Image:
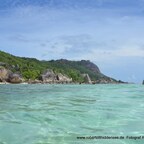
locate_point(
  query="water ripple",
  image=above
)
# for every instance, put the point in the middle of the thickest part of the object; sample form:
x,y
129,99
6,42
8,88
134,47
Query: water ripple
x,y
51,114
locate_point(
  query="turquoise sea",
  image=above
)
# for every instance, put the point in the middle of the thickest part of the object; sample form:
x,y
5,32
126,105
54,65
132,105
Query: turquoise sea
x,y
72,114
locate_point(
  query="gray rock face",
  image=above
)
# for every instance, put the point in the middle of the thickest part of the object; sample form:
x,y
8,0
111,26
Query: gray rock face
x,y
91,66
143,82
50,77
8,76
87,79
63,78
4,74
15,78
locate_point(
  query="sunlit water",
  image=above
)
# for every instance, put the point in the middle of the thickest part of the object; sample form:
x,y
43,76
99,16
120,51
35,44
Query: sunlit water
x,y
58,114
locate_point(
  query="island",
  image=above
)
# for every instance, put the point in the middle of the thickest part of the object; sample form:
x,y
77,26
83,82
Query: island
x,y
14,69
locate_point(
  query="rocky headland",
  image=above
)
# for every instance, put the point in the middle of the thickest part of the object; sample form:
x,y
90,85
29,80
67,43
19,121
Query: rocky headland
x,y
16,70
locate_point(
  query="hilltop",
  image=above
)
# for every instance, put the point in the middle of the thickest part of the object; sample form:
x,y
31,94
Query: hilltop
x,y
82,71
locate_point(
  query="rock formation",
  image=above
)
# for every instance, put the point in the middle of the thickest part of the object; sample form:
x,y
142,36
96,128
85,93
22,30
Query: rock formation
x,y
50,77
4,74
89,65
31,70
15,78
63,78
87,79
143,82
34,81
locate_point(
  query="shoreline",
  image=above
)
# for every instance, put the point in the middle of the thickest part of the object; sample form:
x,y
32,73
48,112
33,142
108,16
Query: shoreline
x,y
63,83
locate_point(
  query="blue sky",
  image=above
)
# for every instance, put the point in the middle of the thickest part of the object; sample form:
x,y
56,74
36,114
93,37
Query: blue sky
x,y
110,33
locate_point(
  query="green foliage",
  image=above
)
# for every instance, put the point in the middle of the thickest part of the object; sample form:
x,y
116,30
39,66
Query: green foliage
x,y
75,75
31,68
31,74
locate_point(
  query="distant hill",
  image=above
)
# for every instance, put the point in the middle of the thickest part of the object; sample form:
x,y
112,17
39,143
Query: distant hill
x,y
31,68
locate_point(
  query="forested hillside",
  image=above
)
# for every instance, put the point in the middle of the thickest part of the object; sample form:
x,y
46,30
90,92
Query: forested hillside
x,y
31,68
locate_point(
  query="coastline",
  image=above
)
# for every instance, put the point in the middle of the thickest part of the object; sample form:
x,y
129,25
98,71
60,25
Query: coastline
x,y
14,69
73,83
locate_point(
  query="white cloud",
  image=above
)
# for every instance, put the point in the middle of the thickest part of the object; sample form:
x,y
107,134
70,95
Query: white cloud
x,y
129,52
112,55
106,36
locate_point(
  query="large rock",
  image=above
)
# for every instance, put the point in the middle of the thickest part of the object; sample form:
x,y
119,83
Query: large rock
x,y
15,78
63,78
4,74
143,82
86,79
48,76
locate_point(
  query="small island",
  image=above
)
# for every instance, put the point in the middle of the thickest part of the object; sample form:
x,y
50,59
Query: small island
x,y
14,69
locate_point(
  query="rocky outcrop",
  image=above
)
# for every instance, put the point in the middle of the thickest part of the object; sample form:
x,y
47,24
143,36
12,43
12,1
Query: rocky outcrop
x,y
8,76
106,80
47,77
50,77
91,66
68,67
86,79
34,81
4,74
143,82
15,78
63,78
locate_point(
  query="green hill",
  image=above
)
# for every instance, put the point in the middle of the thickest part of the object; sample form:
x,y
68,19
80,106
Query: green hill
x,y
31,68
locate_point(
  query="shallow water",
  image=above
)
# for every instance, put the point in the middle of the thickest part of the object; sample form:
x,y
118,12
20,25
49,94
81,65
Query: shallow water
x,y
58,114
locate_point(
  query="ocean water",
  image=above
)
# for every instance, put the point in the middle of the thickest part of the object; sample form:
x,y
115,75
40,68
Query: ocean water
x,y
72,114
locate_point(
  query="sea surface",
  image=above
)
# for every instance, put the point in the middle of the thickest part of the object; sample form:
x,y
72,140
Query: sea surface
x,y
72,114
